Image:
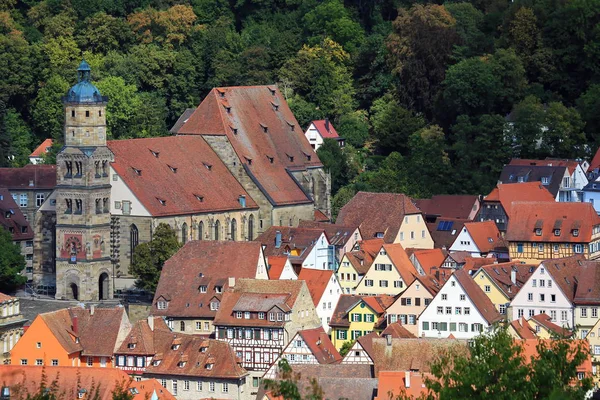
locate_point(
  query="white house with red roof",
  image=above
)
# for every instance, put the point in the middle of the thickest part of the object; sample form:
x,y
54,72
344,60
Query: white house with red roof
x,y
320,130
325,291
36,157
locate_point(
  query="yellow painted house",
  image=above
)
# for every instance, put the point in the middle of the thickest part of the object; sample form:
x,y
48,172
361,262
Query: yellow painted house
x,y
356,316
501,282
390,273
593,337
355,264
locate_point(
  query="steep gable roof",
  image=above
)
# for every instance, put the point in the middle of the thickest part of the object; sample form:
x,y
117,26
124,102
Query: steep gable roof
x,y
377,213
483,303
144,337
550,218
507,193
449,205
42,148
325,129
501,275
399,258
523,329
64,328
486,235
320,345
203,263
317,281
276,266
429,258
588,288
38,176
261,127
12,218
361,260
396,330
546,321
346,302
565,272
191,176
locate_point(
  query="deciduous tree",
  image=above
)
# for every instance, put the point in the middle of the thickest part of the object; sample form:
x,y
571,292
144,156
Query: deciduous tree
x,y
12,263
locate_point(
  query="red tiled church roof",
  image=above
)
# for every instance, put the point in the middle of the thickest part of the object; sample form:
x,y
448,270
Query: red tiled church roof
x,y
190,175
264,134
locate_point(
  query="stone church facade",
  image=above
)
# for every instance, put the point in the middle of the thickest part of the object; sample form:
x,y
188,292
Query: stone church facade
x,y
240,166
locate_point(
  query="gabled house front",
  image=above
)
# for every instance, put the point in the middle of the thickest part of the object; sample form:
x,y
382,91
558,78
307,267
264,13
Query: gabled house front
x,y
481,239
390,273
325,291
355,264
550,290
309,346
357,316
502,282
460,309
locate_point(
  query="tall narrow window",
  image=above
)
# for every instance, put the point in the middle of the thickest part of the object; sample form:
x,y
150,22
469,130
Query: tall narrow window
x,y
233,230
251,227
98,206
184,233
78,206
69,204
201,230
105,168
97,165
78,168
105,205
133,239
217,229
69,166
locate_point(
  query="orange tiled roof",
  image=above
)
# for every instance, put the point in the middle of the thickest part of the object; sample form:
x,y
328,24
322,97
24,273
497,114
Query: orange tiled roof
x,y
42,148
276,266
191,176
526,191
320,345
321,127
396,330
523,329
486,235
400,259
377,213
552,218
70,380
393,384
530,350
261,127
316,280
545,321
429,258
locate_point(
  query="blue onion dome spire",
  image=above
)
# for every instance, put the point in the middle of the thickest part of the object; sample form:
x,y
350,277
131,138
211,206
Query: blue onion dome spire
x,y
84,91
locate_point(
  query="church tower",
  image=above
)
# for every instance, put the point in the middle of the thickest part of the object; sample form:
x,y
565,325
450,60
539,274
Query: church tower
x,y
83,263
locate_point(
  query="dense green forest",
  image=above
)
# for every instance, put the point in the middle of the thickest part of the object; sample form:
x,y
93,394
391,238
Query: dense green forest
x,y
432,97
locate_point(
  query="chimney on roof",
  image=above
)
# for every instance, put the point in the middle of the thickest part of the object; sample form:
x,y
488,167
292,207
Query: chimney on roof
x,y
75,326
231,281
513,276
407,379
277,239
92,309
151,322
327,124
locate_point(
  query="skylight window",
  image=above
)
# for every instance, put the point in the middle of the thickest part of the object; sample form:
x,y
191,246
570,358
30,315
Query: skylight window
x,y
138,172
162,202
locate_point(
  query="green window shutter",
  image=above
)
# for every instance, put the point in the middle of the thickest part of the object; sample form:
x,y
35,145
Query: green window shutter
x,y
452,326
221,333
443,326
425,325
360,318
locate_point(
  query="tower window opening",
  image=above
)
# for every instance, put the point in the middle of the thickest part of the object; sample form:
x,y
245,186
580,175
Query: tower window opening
x,y
87,113
78,206
69,166
72,113
99,113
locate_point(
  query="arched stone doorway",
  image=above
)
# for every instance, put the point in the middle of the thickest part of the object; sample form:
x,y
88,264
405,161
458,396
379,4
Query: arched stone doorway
x,y
103,287
73,292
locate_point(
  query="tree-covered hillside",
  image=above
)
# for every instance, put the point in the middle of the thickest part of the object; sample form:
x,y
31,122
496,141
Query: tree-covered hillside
x,y
432,97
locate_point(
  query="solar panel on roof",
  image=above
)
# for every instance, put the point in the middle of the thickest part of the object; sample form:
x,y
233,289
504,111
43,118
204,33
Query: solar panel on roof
x,y
445,225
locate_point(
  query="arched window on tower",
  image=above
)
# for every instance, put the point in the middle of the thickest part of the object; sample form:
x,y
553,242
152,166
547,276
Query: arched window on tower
x,y
201,230
233,230
217,229
251,227
184,233
134,240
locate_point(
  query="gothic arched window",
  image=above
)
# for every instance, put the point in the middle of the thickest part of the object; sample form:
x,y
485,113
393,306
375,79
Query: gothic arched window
x,y
217,229
184,233
201,230
251,227
233,230
134,239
